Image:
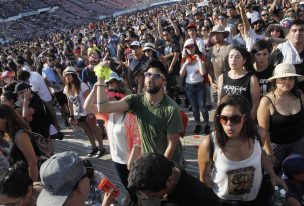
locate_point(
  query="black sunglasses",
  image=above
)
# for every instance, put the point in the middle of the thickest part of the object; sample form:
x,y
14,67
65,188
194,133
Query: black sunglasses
x,y
235,119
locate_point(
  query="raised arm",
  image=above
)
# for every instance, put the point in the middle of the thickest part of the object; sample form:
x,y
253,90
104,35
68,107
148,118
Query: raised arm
x,y
241,7
173,24
108,107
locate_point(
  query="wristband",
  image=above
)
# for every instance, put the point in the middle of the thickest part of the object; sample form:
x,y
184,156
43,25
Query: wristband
x,y
101,85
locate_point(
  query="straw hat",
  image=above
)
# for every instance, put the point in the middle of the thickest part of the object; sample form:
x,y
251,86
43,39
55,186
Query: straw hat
x,y
219,29
285,70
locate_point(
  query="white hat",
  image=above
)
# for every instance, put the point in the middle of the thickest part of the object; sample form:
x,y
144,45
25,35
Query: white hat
x,y
189,42
285,70
114,75
219,29
135,43
148,46
69,70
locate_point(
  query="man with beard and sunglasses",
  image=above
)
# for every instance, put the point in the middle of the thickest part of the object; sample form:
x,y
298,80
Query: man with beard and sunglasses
x,y
158,116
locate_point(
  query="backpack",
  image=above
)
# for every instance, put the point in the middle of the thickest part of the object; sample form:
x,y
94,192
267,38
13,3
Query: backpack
x,y
42,145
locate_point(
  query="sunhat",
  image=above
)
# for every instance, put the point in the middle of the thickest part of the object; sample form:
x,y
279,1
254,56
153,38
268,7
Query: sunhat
x,y
149,46
69,70
285,70
115,76
219,29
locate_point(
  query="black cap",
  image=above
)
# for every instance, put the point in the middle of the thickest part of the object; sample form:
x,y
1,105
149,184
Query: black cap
x,y
21,86
159,65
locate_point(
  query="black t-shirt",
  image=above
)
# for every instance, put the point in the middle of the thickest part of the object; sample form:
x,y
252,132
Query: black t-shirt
x,y
190,191
277,58
42,117
169,49
138,65
262,78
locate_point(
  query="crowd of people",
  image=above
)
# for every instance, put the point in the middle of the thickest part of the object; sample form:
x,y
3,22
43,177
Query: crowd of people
x,y
130,79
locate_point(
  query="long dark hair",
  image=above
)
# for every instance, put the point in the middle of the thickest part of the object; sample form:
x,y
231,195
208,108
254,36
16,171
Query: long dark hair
x,y
246,55
13,122
294,91
249,130
76,83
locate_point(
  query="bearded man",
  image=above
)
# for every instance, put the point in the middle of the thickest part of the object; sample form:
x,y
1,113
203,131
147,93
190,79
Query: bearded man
x,y
158,116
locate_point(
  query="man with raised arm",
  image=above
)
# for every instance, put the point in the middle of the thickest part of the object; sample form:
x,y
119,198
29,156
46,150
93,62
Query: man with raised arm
x,y
158,116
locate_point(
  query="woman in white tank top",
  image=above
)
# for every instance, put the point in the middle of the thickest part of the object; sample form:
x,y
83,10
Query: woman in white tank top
x,y
231,159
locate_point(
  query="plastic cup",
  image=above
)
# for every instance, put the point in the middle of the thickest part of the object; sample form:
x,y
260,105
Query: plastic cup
x,y
106,185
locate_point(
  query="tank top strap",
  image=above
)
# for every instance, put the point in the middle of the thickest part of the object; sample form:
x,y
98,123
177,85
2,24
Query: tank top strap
x,y
271,102
213,146
301,100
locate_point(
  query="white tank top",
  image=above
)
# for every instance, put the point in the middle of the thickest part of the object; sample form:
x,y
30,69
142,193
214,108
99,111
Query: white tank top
x,y
118,138
237,180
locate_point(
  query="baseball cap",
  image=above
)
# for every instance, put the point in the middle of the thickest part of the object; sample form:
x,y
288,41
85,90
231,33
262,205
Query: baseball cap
x,y
135,43
59,176
6,74
191,26
21,86
256,18
189,42
293,164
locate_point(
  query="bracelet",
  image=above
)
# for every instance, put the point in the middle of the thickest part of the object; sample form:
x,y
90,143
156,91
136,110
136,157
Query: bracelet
x,y
101,85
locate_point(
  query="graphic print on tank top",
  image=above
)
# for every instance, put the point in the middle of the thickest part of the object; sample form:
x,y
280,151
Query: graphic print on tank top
x,y
240,181
239,86
77,104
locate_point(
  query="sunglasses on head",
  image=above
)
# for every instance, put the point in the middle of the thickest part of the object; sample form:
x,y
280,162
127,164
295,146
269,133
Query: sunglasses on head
x,y
235,119
154,75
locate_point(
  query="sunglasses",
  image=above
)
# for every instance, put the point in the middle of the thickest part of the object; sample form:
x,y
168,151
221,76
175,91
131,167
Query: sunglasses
x,y
155,75
235,119
265,15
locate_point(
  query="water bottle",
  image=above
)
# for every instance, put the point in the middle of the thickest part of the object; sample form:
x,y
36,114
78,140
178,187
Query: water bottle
x,y
96,195
279,196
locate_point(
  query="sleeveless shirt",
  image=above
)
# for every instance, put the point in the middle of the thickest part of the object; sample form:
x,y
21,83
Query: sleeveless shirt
x,y
286,129
237,180
239,86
